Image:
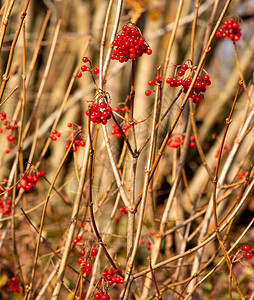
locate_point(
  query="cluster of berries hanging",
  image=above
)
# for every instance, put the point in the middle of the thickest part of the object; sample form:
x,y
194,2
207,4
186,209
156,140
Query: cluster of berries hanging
x,y
89,68
8,125
151,83
176,140
246,250
197,92
229,29
14,285
29,178
148,245
111,277
5,201
124,125
129,44
116,130
5,206
54,135
124,210
100,296
84,259
240,175
75,134
225,147
100,112
79,141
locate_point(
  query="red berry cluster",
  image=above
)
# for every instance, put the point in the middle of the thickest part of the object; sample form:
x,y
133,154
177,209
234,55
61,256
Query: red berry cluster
x,y
229,29
151,83
85,257
54,135
5,206
124,210
86,68
100,296
148,245
79,142
14,285
8,125
5,202
225,147
76,129
116,130
123,109
100,112
110,277
175,142
246,250
129,44
199,88
240,175
29,179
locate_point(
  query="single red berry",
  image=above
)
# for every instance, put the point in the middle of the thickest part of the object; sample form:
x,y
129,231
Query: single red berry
x,y
246,248
180,73
185,67
75,241
96,71
80,259
69,124
88,265
103,104
82,252
206,77
150,82
149,51
248,255
94,252
157,78
148,92
79,75
83,68
85,59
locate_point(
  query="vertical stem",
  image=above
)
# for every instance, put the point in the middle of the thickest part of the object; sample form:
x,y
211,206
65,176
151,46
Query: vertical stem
x,y
7,70
131,216
14,191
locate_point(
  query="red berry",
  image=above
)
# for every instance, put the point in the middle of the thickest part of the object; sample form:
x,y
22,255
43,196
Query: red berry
x,y
85,59
185,67
206,77
150,82
83,68
149,51
94,252
79,75
246,248
96,71
157,78
103,104
80,259
147,92
180,73
88,265
248,255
